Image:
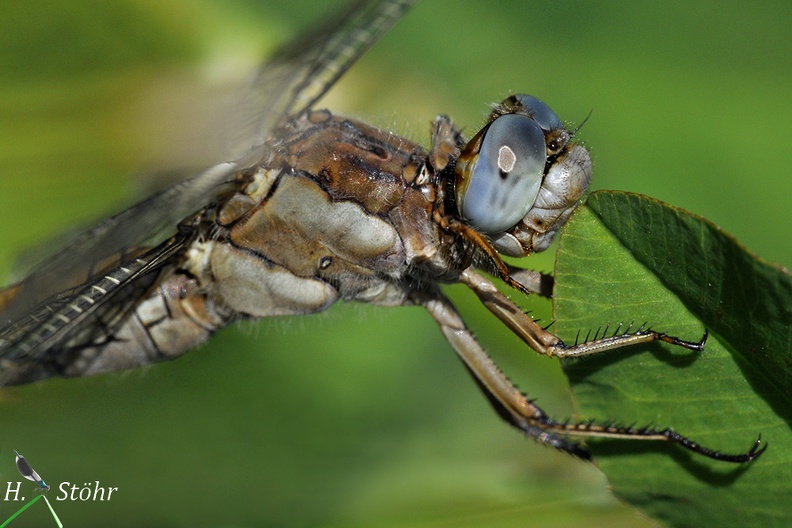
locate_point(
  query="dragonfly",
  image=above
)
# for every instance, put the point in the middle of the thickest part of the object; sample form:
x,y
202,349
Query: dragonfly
x,y
314,208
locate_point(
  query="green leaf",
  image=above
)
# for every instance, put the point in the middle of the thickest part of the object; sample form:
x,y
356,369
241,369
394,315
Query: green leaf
x,y
626,258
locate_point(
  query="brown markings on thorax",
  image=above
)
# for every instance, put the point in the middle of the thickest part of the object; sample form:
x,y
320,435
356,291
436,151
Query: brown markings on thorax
x,y
354,161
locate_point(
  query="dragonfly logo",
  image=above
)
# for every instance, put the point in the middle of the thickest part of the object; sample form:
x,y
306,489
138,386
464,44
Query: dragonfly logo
x,y
66,490
27,471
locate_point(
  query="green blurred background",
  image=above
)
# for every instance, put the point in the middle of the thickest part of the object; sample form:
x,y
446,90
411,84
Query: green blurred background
x,y
362,416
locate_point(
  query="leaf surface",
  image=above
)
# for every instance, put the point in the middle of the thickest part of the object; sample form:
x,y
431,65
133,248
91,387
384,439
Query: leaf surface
x,y
628,259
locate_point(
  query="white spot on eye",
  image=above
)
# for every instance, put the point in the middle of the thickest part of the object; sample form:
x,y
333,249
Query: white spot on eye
x,y
506,159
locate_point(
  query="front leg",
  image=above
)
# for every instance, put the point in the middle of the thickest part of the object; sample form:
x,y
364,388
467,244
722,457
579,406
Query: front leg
x,y
549,344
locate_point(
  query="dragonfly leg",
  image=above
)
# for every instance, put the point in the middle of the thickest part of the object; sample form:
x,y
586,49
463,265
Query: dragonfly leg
x,y
517,410
549,344
507,400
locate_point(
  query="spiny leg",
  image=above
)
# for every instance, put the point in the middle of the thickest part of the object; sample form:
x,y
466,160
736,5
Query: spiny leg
x,y
549,344
507,400
523,414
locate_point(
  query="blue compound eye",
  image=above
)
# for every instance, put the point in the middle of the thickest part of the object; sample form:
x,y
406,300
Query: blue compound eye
x,y
542,114
498,186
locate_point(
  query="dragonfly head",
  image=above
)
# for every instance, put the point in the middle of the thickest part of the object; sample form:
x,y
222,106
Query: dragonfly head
x,y
521,176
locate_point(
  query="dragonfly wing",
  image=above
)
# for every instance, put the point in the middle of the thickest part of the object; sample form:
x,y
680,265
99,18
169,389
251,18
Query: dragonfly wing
x,y
145,224
25,469
302,70
49,339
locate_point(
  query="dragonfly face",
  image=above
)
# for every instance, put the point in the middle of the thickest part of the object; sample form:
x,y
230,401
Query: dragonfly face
x,y
315,208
